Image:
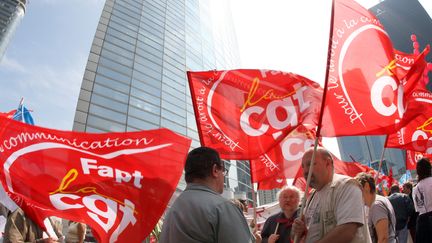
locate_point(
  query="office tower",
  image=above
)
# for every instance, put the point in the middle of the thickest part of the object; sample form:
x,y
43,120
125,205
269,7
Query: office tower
x,y
11,13
135,78
267,196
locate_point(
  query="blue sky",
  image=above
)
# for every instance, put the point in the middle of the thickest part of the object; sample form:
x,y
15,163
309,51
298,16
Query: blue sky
x,y
46,58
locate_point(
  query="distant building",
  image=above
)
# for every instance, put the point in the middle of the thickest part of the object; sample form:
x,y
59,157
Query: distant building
x,y
267,196
367,150
135,78
11,13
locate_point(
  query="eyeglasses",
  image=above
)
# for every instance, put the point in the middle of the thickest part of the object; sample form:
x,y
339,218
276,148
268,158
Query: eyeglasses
x,y
224,170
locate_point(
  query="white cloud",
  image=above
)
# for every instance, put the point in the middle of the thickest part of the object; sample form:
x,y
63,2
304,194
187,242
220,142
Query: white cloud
x,y
12,65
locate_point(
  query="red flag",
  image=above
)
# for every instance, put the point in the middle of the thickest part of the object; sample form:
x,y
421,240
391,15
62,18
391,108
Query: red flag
x,y
363,94
415,133
244,113
282,162
412,157
117,183
8,114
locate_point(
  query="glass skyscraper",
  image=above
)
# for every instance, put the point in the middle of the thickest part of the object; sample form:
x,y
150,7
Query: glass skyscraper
x,y
368,149
11,13
135,78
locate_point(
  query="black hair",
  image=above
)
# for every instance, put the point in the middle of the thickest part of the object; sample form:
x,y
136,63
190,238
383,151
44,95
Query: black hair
x,y
199,163
394,189
364,178
423,168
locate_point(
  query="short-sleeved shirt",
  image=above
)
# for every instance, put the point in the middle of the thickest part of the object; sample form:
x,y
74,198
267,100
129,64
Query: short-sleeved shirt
x,y
200,215
382,209
348,209
422,196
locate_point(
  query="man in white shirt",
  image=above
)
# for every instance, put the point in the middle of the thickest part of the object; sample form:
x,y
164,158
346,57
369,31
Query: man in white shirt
x,y
422,195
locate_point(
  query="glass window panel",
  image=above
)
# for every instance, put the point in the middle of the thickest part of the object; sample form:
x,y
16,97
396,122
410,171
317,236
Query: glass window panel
x,y
107,72
122,24
141,77
167,90
138,103
107,113
121,36
112,84
191,121
176,108
119,50
130,6
173,84
173,99
145,40
147,88
113,56
108,102
143,115
124,16
173,117
173,126
116,67
150,72
140,124
98,89
104,124
148,97
94,130
147,63
144,52
119,42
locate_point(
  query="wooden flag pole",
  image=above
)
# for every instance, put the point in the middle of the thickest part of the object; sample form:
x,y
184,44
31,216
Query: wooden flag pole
x,y
296,238
380,162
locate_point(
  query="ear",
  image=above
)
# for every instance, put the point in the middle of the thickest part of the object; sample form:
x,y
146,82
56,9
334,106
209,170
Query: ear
x,y
214,172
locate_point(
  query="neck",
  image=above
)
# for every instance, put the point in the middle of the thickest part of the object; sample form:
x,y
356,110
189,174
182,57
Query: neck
x,y
205,182
288,213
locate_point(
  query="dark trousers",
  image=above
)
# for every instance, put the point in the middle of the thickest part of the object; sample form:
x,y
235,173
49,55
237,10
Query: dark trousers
x,y
424,228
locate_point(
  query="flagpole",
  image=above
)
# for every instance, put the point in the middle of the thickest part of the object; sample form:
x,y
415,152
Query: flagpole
x,y
254,200
380,162
296,238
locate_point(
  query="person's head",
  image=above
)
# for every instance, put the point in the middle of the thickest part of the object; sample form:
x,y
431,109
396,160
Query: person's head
x,y
423,168
203,165
323,168
289,198
245,206
238,204
394,189
407,187
367,184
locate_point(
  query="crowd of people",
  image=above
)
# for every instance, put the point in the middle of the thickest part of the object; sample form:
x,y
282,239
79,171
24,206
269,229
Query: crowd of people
x,y
338,209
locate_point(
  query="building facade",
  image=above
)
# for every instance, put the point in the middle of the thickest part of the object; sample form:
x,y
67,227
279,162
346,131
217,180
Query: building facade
x,y
135,78
11,14
368,149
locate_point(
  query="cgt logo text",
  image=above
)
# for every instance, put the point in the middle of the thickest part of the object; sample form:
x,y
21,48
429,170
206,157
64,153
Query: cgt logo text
x,y
288,103
103,209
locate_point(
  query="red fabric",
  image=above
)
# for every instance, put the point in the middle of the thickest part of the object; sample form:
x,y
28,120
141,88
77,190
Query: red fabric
x,y
340,167
362,91
244,113
412,157
9,114
117,183
283,161
415,134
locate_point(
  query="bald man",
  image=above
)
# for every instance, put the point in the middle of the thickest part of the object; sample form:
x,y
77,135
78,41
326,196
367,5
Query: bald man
x,y
334,211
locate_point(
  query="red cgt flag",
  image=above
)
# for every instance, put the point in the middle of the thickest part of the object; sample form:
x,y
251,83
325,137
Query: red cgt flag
x,y
363,95
412,157
244,113
117,183
282,162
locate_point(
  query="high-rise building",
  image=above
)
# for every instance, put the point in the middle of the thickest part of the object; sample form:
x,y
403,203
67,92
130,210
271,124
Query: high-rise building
x,y
267,196
368,149
11,13
135,78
